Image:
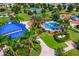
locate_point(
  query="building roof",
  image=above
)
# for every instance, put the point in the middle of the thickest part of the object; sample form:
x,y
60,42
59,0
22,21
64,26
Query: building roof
x,y
75,22
74,17
67,4
32,9
38,11
12,29
66,16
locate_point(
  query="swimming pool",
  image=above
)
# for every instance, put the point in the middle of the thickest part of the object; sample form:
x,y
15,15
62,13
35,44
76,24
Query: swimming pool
x,y
51,26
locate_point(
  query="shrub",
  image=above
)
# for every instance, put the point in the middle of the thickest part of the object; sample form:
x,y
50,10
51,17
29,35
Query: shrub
x,y
30,13
22,52
36,50
9,52
37,42
2,9
63,38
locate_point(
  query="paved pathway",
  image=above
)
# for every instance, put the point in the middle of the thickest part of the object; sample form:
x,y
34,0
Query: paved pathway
x,y
71,45
46,51
1,52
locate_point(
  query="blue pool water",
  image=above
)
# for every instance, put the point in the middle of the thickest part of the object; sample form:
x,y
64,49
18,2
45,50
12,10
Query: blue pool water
x,y
51,26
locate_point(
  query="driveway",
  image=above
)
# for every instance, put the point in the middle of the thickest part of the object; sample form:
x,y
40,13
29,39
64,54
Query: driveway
x,y
45,50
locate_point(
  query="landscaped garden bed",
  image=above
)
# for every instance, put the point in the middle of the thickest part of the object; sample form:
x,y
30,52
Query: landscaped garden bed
x,y
61,37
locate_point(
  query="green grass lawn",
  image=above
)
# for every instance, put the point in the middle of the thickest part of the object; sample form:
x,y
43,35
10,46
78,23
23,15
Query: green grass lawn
x,y
3,20
2,12
74,35
73,52
24,16
50,42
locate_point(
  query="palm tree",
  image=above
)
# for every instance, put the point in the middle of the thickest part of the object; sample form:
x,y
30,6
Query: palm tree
x,y
77,8
25,6
64,6
9,51
30,37
55,13
60,51
4,39
66,24
15,19
59,7
15,8
36,20
44,15
70,8
51,7
22,52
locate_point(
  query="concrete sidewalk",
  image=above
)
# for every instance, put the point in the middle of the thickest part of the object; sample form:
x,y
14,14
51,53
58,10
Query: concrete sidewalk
x,y
1,52
71,45
45,51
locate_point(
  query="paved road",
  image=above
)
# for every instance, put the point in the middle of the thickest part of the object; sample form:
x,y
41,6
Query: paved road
x,y
46,51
